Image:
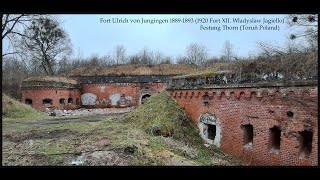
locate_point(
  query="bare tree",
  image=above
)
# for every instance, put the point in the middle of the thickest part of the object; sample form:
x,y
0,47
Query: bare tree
x,y
107,60
13,26
307,22
291,61
146,56
305,26
196,54
268,49
45,41
228,51
211,61
13,73
166,60
158,57
120,52
94,60
134,59
182,60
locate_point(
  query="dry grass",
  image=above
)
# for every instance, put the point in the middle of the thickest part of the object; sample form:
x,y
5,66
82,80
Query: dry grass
x,y
14,109
211,71
51,79
134,139
173,122
118,70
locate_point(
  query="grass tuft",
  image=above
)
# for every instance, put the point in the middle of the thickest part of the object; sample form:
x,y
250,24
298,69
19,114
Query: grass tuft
x,y
13,109
161,116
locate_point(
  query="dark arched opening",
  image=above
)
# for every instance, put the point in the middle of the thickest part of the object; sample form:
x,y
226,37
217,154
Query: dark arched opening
x,y
28,101
305,143
62,101
47,101
275,138
144,98
70,100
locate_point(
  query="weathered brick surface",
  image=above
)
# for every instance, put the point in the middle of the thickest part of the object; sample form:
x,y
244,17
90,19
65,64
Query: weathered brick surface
x,y
133,90
263,108
38,94
102,91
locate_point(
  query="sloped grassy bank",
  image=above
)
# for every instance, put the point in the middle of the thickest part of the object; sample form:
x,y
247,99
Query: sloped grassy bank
x,y
161,116
155,133
11,108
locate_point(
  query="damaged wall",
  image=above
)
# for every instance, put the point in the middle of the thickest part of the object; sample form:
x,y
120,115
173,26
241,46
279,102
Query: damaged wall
x,y
59,97
119,94
292,109
92,92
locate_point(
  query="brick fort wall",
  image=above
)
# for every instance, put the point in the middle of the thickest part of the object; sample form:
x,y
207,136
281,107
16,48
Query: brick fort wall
x,y
260,125
37,95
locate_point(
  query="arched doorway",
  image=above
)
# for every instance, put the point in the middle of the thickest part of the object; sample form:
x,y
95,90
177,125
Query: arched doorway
x,y
47,101
28,101
144,98
210,129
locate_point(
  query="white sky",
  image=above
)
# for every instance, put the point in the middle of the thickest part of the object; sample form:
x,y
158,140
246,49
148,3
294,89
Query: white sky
x,y
90,36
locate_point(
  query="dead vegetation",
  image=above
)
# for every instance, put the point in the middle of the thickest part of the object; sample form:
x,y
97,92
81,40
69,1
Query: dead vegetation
x,y
135,69
118,140
276,68
173,122
51,79
213,70
284,67
14,109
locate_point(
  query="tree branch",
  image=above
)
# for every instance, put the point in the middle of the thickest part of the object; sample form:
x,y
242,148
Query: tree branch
x,y
10,29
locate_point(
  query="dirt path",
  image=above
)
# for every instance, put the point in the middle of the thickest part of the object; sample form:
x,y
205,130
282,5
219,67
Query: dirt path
x,y
94,140
63,120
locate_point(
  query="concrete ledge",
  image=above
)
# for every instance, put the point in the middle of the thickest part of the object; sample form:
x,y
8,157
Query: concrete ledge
x,y
122,79
251,85
35,84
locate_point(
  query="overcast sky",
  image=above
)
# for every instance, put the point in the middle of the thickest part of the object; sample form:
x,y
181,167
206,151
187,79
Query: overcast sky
x,y
90,36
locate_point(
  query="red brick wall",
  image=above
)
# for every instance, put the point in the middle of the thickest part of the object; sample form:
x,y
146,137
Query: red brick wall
x,y
263,108
134,90
102,91
38,94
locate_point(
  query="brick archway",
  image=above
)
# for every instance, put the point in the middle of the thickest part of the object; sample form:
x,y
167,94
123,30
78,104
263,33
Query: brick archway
x,y
146,91
143,96
210,129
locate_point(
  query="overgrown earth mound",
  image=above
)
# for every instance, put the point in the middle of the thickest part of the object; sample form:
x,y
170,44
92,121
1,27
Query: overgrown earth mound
x,y
161,116
11,108
155,133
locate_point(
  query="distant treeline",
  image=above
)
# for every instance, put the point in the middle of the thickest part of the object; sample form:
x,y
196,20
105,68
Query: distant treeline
x,y
38,45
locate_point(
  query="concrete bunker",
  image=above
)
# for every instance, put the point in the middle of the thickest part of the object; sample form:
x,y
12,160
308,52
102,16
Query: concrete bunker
x,y
210,129
144,98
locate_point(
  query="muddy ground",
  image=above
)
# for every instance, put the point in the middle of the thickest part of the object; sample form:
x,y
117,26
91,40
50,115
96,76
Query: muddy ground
x,y
97,140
